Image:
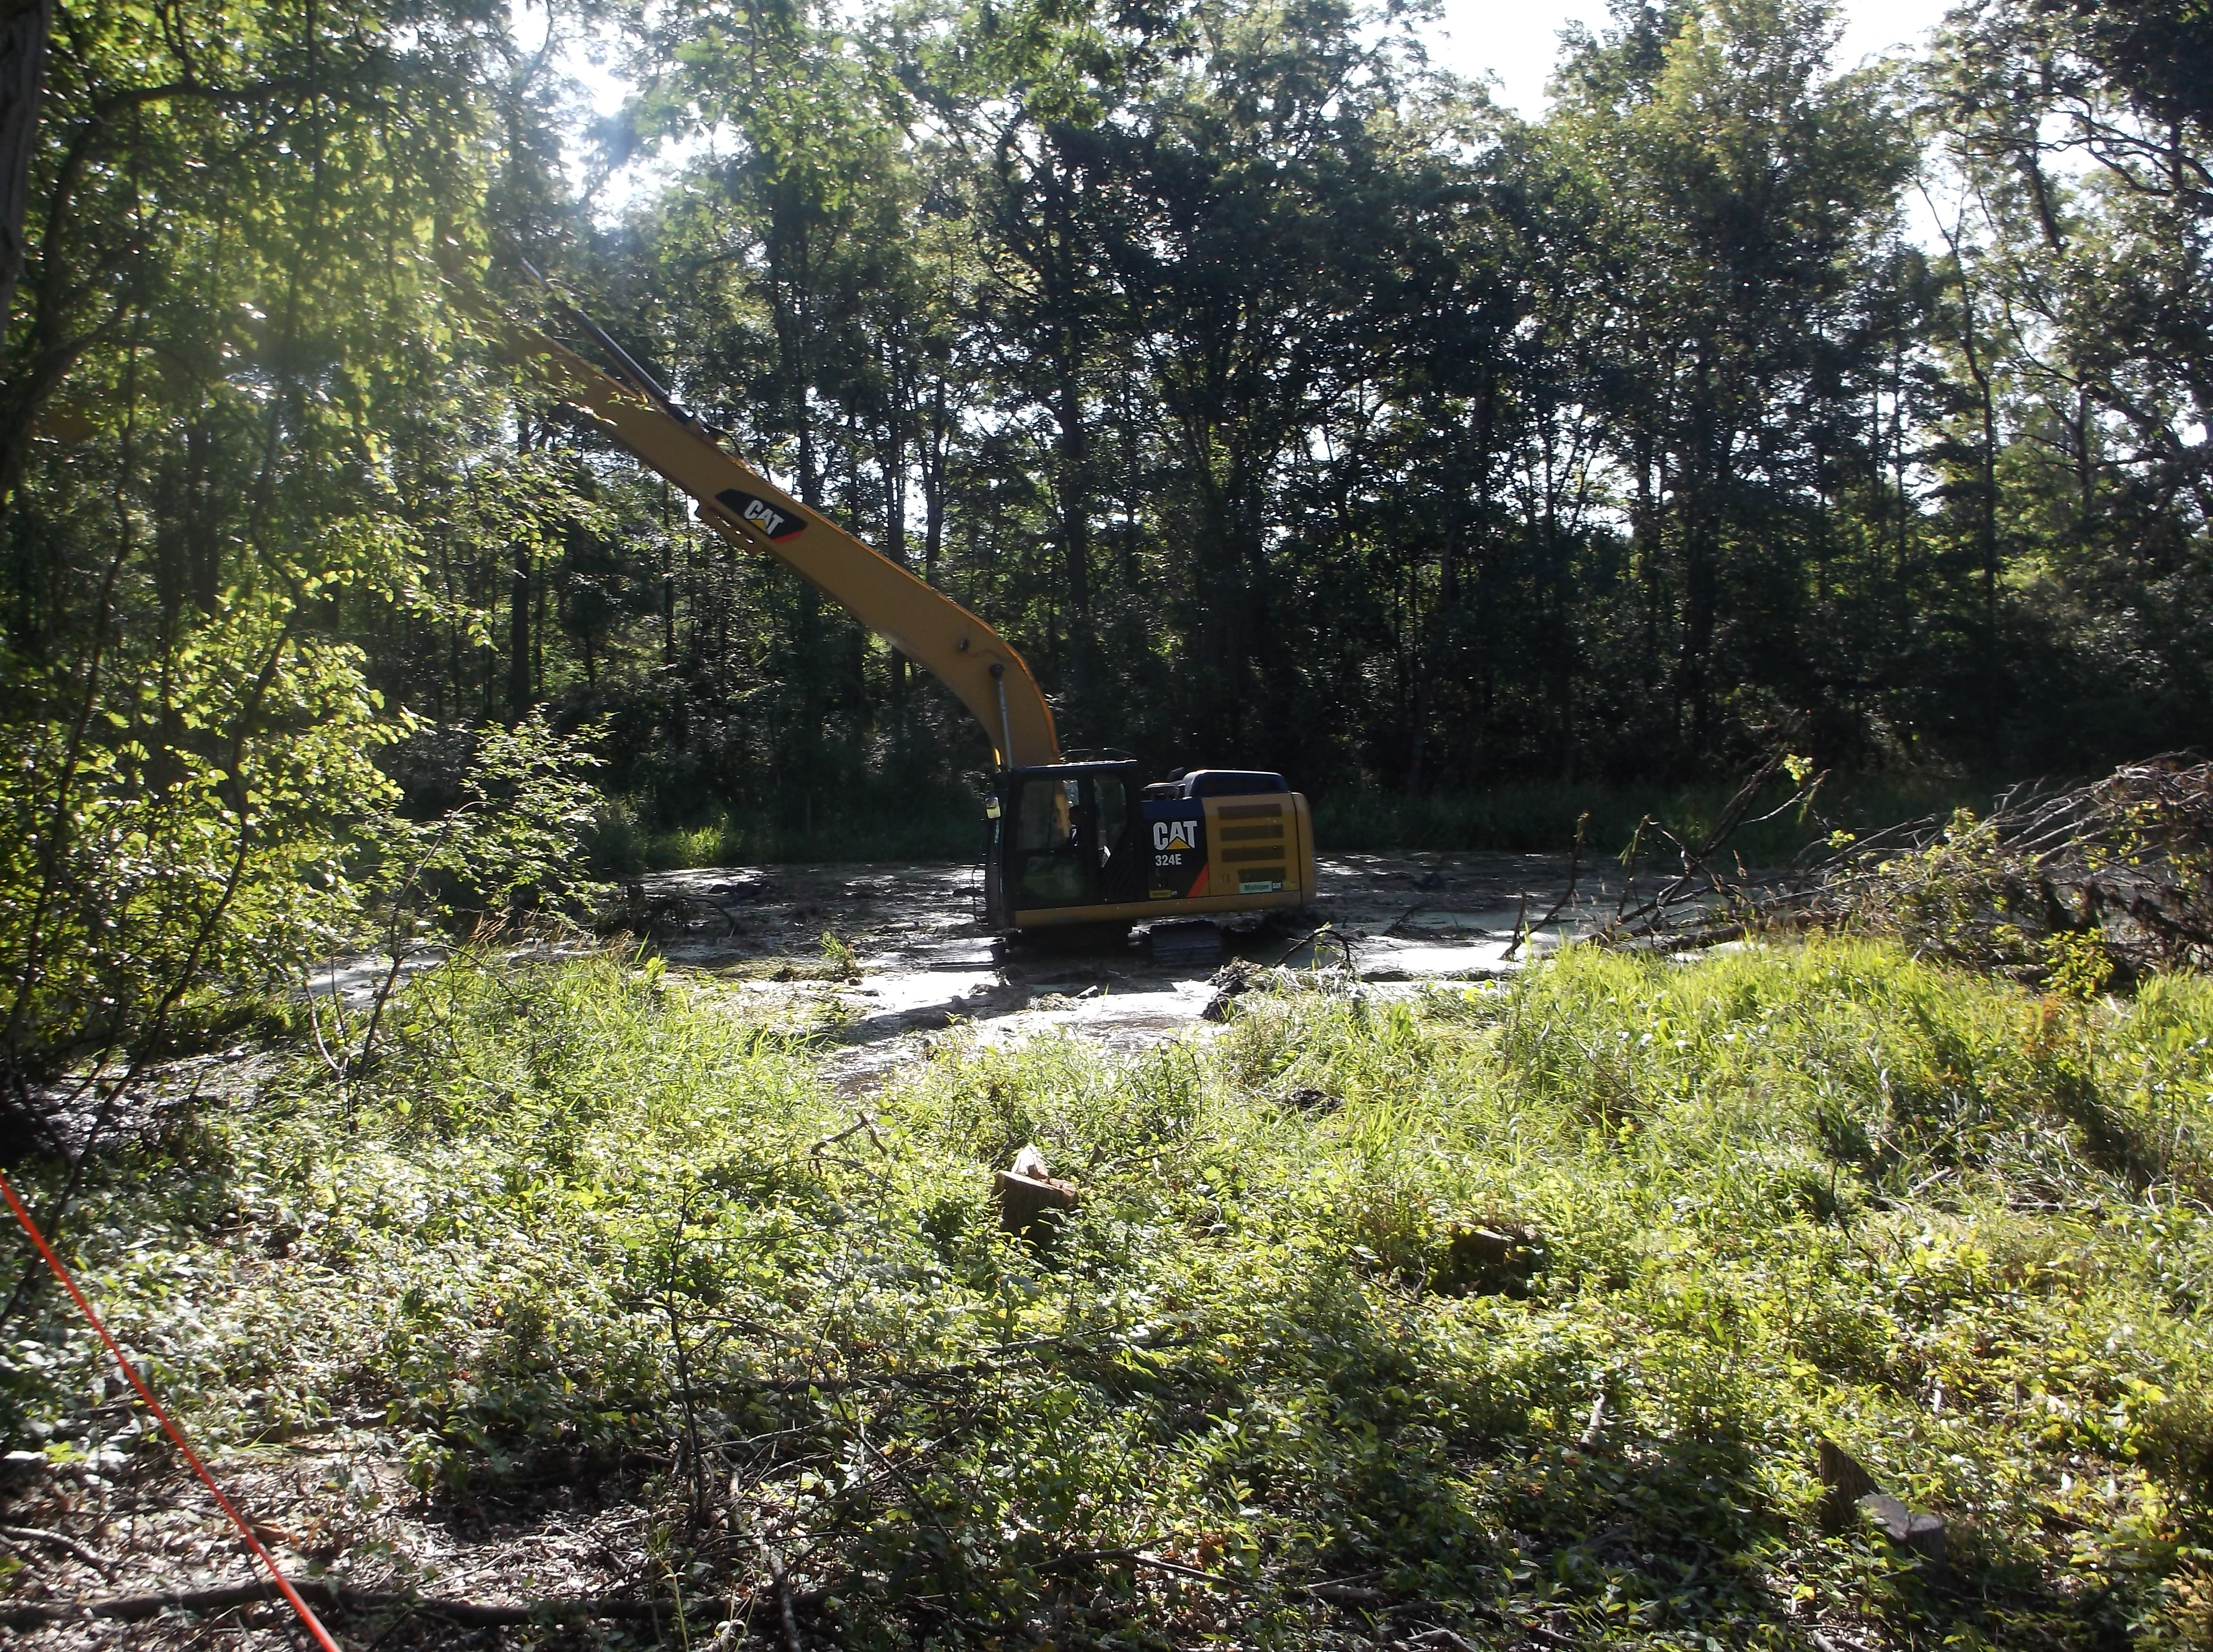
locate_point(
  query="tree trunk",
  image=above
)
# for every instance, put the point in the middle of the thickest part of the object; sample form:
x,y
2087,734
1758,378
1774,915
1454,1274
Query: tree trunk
x,y
1059,265
518,632
933,482
24,26
1076,525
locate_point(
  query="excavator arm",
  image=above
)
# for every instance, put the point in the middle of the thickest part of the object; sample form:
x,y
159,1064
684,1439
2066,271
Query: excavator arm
x,y
745,507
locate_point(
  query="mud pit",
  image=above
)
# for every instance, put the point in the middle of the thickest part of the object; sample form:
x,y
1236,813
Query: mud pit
x,y
925,962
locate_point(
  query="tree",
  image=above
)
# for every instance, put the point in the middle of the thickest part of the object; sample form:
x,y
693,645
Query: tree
x,y
24,26
210,403
2083,150
1746,198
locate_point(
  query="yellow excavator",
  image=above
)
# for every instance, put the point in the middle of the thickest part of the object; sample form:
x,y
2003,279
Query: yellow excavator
x,y
1067,844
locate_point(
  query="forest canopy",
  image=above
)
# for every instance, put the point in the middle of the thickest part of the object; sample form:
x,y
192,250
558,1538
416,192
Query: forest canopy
x,y
1286,401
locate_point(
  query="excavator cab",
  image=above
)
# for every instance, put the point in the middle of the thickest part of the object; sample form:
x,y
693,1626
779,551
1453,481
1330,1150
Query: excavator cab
x,y
1059,839
1071,844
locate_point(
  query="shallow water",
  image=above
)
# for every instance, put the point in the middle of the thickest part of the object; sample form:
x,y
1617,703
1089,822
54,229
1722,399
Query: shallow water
x,y
926,963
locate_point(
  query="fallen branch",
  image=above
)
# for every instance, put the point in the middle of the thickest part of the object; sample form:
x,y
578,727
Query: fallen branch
x,y
324,1596
1651,918
2116,874
1522,932
1346,1594
70,1545
1162,1562
784,1602
1330,934
866,1124
1136,1556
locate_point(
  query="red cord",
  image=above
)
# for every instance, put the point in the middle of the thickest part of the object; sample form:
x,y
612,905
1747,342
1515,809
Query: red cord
x,y
283,1586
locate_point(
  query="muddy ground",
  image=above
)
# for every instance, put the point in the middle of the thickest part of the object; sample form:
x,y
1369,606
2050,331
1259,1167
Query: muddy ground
x,y
925,962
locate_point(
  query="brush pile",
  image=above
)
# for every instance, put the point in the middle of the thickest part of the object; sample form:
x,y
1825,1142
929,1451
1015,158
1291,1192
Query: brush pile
x,y
2105,881
2076,889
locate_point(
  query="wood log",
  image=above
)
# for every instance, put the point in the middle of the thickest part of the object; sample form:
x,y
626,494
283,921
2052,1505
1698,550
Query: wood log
x,y
1851,1493
67,1544
1029,1205
1845,1482
1497,1258
1922,1532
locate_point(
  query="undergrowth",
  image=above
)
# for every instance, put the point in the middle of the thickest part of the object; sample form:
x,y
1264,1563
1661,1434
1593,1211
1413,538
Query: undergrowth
x,y
930,824
588,1223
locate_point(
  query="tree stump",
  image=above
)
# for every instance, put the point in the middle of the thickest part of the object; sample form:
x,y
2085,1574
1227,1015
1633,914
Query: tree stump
x,y
1845,1483
1923,1534
1498,1259
1029,1199
1853,1494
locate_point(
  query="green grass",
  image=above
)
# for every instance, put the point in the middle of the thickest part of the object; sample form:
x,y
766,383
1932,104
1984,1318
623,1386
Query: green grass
x,y
931,827
585,1226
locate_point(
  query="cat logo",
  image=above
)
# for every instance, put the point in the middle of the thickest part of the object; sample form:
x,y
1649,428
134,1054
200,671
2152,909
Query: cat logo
x,y
1175,834
770,519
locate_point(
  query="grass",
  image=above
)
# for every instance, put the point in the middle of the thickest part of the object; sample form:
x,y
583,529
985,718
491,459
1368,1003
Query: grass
x,y
931,826
590,1227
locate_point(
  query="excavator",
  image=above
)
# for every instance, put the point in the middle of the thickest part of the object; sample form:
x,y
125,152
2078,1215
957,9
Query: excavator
x,y
1069,844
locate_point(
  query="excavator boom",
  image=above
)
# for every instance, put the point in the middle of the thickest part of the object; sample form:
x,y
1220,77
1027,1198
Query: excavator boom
x,y
744,507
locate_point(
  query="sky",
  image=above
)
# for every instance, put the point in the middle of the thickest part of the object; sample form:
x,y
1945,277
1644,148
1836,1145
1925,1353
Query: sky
x,y
1516,40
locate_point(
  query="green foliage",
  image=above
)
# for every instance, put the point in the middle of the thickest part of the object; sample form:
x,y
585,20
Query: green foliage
x,y
1608,442
191,821
522,809
1605,445
227,398
2098,885
868,822
838,957
590,1215
1059,306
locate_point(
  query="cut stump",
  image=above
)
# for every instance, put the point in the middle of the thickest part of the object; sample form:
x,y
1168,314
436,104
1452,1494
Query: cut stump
x,y
1029,1204
1497,1258
1923,1534
1844,1482
1851,1493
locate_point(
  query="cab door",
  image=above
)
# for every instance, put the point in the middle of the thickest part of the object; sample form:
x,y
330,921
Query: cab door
x,y
1120,838
1051,837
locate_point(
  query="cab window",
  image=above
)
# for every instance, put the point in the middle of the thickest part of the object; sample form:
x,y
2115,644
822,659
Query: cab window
x,y
1113,814
1050,868
1046,820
